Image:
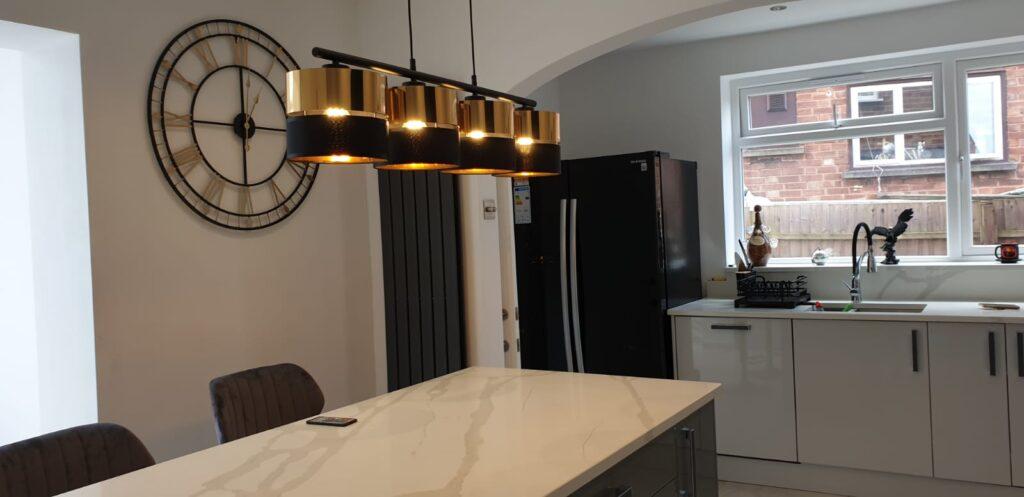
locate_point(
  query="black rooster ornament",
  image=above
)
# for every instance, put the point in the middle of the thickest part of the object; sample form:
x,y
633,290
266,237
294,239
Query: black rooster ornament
x,y
891,234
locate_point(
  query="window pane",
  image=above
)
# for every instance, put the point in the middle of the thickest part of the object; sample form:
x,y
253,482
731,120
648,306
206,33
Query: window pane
x,y
812,197
927,146
995,117
910,149
815,105
984,99
878,148
874,103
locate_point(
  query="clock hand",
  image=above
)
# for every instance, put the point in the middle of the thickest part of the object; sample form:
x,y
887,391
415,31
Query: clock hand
x,y
245,129
264,128
266,74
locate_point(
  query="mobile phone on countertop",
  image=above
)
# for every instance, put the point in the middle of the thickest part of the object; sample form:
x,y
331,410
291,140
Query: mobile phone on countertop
x,y
331,421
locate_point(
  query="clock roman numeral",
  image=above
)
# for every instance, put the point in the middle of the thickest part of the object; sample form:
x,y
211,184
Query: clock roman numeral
x,y
172,120
245,200
186,159
279,198
298,168
213,192
174,75
241,51
205,55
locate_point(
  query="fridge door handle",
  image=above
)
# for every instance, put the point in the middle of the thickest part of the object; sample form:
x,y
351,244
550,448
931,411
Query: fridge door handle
x,y
564,272
575,283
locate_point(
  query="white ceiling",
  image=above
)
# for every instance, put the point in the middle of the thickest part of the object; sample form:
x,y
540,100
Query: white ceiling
x,y
760,19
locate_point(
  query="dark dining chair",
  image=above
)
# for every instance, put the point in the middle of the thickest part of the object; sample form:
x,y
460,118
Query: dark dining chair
x,y
255,400
64,460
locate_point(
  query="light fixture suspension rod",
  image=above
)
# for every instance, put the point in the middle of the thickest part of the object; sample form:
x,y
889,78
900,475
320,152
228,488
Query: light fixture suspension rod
x,y
412,55
355,60
472,43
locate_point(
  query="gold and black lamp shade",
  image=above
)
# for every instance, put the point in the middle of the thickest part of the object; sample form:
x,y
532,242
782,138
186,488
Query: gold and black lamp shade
x,y
488,143
424,128
538,149
336,115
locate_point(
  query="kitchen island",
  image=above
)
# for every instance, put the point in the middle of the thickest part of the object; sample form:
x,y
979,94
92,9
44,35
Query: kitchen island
x,y
478,432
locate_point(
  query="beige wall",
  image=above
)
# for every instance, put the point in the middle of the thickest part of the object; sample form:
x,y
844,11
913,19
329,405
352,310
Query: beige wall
x,y
179,301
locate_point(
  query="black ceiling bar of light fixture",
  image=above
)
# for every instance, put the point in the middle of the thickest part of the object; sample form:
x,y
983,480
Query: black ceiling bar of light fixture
x,y
355,60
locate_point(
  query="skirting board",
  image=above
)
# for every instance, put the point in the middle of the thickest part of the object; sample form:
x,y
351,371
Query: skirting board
x,y
852,482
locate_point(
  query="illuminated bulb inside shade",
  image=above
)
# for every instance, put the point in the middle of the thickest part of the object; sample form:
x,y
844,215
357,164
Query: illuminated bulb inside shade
x,y
414,125
335,112
340,158
475,134
524,140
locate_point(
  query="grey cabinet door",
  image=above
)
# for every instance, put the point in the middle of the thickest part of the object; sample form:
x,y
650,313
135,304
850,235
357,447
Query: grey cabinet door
x,y
753,360
969,413
1015,380
862,395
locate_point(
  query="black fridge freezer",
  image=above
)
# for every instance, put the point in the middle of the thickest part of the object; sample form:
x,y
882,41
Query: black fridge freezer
x,y
602,252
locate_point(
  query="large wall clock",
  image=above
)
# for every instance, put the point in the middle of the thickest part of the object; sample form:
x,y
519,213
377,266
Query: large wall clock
x,y
216,118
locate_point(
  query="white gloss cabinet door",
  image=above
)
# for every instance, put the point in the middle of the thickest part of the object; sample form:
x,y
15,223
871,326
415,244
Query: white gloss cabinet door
x,y
1015,377
755,415
862,395
971,439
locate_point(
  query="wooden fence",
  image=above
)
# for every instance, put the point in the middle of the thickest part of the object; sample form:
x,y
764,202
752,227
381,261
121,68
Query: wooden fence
x,y
801,227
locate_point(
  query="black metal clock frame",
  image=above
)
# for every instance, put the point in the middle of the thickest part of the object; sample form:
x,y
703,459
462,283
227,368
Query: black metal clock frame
x,y
176,171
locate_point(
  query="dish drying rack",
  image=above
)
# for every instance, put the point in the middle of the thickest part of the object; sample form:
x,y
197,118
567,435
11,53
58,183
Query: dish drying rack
x,y
755,290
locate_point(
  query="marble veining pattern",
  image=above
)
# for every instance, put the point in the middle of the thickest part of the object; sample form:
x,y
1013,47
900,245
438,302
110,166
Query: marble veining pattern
x,y
479,432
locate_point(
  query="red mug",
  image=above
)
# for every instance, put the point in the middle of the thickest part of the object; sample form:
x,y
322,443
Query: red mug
x,y
1007,253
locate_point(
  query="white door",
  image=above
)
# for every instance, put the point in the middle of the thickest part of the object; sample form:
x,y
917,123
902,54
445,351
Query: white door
x,y
755,414
969,414
1015,374
862,395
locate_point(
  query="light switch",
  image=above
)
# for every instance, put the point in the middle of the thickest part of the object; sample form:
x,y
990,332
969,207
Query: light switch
x,y
490,209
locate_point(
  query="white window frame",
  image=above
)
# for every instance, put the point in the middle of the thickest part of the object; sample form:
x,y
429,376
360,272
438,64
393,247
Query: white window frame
x,y
949,64
870,75
963,69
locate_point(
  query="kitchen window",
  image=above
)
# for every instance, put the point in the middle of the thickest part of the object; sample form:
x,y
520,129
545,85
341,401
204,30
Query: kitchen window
x,y
941,133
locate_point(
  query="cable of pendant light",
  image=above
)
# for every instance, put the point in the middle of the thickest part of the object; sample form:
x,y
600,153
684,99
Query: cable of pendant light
x,y
472,44
412,54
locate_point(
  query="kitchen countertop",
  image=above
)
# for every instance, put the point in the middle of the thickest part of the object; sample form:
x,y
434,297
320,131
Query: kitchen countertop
x,y
480,432
955,312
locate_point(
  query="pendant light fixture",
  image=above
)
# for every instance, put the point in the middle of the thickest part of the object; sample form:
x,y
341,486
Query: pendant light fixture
x,y
538,144
424,132
487,129
336,115
339,114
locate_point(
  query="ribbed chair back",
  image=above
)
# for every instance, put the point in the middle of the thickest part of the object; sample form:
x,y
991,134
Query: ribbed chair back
x,y
64,460
255,400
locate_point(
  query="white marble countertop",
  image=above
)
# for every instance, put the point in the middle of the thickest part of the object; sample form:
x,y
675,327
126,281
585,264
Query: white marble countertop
x,y
956,312
479,432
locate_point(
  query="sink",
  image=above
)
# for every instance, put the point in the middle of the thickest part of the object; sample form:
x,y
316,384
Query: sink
x,y
874,307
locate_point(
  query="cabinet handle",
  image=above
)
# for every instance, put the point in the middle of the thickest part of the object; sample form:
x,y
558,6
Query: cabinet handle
x,y
1020,354
622,492
991,353
732,327
913,349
